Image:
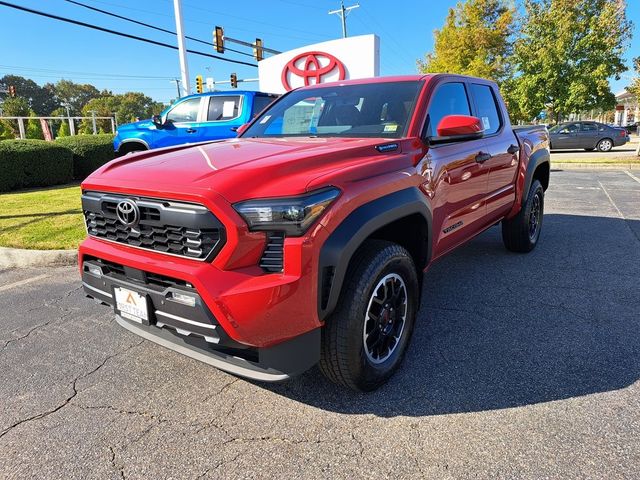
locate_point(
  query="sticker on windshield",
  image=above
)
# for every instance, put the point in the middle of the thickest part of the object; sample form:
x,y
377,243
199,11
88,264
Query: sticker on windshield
x,y
265,119
486,124
228,109
392,127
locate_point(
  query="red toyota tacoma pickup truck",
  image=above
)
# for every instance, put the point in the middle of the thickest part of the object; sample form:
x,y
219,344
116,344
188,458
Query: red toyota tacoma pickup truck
x,y
303,241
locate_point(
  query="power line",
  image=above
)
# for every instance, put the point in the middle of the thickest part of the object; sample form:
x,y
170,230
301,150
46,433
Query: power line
x,y
160,29
95,74
271,34
121,34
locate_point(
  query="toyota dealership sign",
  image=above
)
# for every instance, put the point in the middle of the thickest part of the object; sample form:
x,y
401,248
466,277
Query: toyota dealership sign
x,y
353,57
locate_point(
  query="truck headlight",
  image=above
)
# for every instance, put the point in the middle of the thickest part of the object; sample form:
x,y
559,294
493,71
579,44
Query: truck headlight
x,y
293,215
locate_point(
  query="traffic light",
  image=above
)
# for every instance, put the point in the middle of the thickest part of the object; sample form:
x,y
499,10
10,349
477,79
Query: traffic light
x,y
234,80
218,39
12,90
258,52
199,87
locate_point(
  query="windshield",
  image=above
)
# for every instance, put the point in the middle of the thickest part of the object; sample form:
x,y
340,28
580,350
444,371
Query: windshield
x,y
363,110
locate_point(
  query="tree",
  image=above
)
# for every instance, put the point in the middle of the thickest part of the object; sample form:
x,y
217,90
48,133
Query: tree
x,y
567,52
73,95
13,107
476,40
127,106
635,84
40,99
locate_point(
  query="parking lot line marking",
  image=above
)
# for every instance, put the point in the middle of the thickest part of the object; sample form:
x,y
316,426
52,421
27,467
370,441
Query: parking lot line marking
x,y
611,200
632,176
23,282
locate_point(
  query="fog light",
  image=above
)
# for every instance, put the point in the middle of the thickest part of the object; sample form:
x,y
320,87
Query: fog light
x,y
188,300
94,270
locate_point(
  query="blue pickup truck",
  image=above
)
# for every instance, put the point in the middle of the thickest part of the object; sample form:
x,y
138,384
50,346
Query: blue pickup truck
x,y
195,118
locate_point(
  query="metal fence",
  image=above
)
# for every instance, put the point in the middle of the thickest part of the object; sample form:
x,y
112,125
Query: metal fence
x,y
45,123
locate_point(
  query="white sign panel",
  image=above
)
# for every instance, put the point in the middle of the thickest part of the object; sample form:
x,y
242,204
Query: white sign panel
x,y
343,59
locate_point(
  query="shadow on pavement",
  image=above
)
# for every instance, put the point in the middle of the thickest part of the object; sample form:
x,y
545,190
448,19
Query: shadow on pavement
x,y
499,330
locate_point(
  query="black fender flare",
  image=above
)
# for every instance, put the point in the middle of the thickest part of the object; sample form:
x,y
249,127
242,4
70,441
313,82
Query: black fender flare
x,y
337,250
537,158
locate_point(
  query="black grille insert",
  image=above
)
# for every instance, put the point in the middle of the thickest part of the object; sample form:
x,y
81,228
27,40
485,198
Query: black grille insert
x,y
273,256
175,228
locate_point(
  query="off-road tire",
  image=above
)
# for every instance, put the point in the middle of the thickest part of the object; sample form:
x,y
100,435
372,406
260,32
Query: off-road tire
x,y
344,358
516,232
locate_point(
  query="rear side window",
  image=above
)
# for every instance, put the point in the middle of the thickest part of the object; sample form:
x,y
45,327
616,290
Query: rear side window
x,y
449,99
223,108
487,108
260,102
589,127
186,111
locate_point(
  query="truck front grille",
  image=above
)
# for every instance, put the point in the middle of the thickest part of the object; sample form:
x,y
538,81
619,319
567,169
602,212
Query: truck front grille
x,y
175,228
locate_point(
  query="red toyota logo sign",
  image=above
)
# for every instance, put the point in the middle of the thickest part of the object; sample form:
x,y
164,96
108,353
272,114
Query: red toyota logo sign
x,y
312,66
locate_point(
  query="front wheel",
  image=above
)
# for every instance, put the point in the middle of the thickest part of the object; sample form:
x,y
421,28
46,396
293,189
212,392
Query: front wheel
x,y
365,338
521,233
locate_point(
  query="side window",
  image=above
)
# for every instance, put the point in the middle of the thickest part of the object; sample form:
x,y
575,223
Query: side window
x,y
589,127
571,128
186,111
223,108
487,108
260,102
449,99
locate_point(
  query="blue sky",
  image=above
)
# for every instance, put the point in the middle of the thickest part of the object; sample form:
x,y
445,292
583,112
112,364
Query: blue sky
x,y
47,50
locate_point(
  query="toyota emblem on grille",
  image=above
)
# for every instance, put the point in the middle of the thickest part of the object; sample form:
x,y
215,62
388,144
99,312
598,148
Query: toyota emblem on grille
x,y
128,213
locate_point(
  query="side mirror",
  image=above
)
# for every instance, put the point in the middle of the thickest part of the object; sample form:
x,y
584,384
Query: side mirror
x,y
241,129
459,127
157,121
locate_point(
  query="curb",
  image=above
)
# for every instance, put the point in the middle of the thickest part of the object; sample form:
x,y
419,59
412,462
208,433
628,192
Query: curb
x,y
595,166
19,258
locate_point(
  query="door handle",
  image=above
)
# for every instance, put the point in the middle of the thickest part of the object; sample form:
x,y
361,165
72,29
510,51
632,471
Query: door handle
x,y
482,157
513,149
191,130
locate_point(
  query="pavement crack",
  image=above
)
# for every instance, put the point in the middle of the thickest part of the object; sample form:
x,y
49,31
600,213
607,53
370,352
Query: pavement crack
x,y
74,392
112,459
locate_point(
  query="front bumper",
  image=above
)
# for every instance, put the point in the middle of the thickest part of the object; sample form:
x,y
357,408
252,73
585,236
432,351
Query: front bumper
x,y
194,330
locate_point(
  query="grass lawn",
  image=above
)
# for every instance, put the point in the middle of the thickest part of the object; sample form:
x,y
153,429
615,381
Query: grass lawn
x,y
48,218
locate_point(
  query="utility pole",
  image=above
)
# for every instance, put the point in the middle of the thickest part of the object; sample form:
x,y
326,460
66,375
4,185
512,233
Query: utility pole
x,y
343,12
177,80
182,53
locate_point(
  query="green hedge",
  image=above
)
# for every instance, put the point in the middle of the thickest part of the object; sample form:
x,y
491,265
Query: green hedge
x,y
89,152
33,163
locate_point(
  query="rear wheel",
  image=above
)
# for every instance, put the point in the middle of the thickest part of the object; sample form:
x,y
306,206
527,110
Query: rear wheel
x,y
605,145
131,147
365,338
521,233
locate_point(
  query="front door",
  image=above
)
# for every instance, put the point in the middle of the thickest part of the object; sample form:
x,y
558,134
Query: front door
x,y
566,136
460,175
180,125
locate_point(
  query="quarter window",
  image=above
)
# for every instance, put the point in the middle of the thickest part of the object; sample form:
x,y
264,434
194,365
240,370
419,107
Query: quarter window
x,y
487,108
223,108
449,99
186,111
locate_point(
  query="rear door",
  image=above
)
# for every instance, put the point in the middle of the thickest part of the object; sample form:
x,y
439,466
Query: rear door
x,y
461,181
223,115
589,135
501,144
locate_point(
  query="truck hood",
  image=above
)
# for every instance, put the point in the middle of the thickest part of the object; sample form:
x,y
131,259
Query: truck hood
x,y
141,125
240,168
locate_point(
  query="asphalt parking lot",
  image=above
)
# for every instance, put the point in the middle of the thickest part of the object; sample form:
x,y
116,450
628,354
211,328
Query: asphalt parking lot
x,y
521,366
